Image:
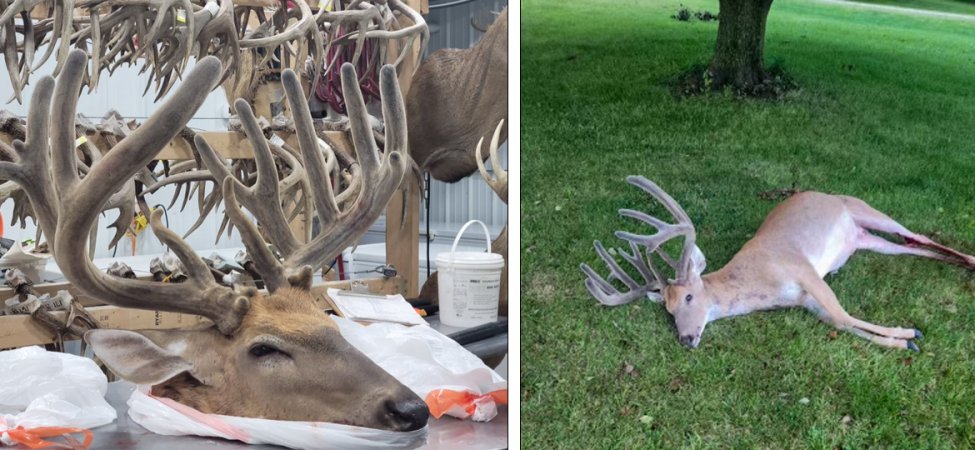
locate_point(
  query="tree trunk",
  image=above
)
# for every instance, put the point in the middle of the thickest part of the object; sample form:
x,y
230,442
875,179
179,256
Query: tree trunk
x,y
739,53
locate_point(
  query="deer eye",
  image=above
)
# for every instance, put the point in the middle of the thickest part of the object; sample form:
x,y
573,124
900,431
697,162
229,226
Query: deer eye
x,y
688,298
261,350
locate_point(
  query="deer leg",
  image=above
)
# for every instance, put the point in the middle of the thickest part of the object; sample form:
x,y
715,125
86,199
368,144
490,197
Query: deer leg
x,y
822,300
867,241
871,219
885,341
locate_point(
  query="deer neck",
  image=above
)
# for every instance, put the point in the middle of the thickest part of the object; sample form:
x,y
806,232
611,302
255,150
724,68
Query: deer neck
x,y
491,49
735,290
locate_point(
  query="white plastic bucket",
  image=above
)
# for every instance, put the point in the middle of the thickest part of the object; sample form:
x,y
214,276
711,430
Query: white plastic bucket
x,y
469,283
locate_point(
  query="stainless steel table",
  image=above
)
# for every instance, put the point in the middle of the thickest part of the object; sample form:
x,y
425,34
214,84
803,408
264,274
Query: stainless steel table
x,y
485,348
446,433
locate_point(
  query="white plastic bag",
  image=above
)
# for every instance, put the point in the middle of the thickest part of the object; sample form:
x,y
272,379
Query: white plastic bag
x,y
419,357
168,417
49,389
428,362
27,261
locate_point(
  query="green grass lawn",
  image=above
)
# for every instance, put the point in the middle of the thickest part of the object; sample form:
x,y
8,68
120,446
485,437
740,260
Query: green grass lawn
x,y
886,112
951,6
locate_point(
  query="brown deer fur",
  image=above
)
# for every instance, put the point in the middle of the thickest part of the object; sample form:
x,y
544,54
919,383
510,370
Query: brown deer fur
x,y
458,96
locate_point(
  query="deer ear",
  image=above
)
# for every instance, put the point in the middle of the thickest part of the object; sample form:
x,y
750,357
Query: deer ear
x,y
696,263
655,296
133,357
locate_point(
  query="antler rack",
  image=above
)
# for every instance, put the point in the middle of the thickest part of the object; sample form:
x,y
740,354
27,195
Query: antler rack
x,y
165,34
642,249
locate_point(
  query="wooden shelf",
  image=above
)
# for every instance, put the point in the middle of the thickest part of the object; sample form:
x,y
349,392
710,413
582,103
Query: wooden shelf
x,y
21,330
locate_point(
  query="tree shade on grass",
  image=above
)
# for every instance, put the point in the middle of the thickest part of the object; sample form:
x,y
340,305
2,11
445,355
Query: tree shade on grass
x,y
884,113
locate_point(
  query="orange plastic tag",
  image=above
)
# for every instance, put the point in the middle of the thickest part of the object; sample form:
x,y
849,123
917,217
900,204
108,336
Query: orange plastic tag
x,y
34,437
442,400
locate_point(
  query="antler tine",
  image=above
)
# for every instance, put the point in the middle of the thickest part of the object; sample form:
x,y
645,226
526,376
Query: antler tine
x,y
10,52
11,10
65,164
311,154
69,216
419,27
182,177
266,264
205,207
498,183
295,31
221,25
604,291
257,198
124,201
665,231
32,162
381,175
418,24
655,280
367,153
663,197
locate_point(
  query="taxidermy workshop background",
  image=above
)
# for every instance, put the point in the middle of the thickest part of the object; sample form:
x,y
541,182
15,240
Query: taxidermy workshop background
x,y
450,204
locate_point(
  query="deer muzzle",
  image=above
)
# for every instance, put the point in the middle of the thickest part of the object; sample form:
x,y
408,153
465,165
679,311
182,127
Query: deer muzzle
x,y
400,410
407,414
690,340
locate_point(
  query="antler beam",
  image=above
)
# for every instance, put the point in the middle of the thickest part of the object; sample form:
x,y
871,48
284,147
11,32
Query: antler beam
x,y
67,206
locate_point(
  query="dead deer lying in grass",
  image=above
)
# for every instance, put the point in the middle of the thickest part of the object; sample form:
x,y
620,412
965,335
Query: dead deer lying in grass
x,y
273,355
802,239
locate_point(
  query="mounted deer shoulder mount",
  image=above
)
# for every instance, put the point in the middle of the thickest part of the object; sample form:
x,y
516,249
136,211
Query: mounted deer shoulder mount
x,y
457,96
274,355
783,265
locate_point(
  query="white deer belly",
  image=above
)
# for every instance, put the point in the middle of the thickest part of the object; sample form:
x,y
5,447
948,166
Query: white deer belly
x,y
835,247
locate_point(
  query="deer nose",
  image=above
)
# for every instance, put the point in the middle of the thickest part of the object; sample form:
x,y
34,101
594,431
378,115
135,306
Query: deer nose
x,y
409,415
687,340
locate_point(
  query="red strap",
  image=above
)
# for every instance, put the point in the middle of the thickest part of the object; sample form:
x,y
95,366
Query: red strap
x,y
34,437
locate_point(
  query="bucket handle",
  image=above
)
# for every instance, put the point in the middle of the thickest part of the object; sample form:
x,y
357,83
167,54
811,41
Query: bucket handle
x,y
487,238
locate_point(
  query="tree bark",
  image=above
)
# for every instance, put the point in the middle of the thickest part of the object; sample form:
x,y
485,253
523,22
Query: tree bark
x,y
739,52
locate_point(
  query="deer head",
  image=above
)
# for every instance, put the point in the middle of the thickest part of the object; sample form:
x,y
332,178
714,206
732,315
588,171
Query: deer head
x,y
271,355
686,296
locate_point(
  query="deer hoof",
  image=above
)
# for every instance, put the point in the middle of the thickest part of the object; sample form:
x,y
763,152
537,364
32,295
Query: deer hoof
x,y
912,346
918,335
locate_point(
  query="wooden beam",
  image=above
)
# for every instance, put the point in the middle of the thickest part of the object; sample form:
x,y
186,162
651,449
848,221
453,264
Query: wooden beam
x,y
228,144
21,330
53,288
403,231
409,65
403,236
423,6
